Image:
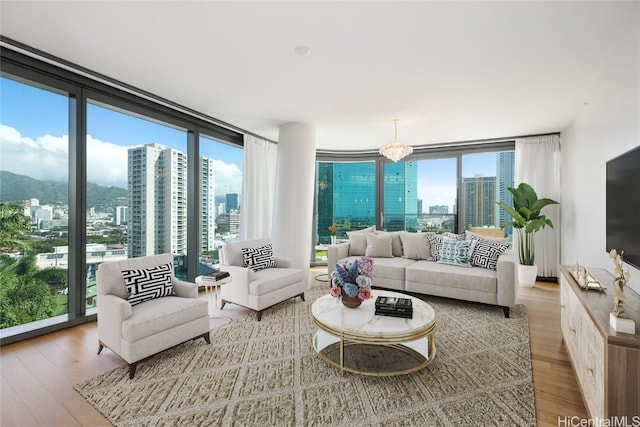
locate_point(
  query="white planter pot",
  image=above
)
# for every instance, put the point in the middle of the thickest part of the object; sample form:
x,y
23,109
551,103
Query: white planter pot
x,y
527,275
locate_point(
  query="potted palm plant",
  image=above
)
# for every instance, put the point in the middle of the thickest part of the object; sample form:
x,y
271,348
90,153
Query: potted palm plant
x,y
527,221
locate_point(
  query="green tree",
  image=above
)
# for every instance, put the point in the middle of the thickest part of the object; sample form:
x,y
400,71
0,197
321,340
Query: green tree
x,y
23,297
14,224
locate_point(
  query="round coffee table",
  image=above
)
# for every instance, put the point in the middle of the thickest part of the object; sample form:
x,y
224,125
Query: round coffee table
x,y
359,341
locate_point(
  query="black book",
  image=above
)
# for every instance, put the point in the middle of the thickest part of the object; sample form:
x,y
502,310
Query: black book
x,y
402,314
393,304
216,275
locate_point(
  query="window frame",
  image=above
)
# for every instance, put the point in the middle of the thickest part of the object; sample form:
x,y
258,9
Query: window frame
x,y
453,150
33,67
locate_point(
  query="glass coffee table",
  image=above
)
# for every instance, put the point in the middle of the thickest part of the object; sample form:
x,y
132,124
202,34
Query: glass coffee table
x,y
359,341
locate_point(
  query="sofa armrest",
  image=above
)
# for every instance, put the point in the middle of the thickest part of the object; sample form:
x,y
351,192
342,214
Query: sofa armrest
x,y
112,311
283,262
507,278
184,289
238,290
335,254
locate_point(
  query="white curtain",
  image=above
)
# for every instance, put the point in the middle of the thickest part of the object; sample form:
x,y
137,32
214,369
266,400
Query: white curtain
x,y
538,164
258,187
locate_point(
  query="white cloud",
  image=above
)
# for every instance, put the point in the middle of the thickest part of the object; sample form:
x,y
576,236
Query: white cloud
x,y
46,158
106,163
228,178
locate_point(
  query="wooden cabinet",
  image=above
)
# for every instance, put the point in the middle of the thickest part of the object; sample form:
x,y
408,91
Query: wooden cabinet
x,y
606,363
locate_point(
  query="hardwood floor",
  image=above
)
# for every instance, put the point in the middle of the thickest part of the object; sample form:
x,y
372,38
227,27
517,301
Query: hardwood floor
x,y
37,375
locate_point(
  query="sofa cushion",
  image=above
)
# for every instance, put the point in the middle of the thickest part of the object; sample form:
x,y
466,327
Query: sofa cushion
x,y
471,235
259,258
148,283
485,253
415,245
358,240
456,252
386,268
433,273
160,314
379,245
396,243
454,236
272,279
435,244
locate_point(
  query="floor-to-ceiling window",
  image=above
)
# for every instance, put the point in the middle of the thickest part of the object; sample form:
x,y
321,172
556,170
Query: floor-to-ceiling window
x,y
435,190
485,179
34,197
136,190
346,196
420,195
221,190
91,172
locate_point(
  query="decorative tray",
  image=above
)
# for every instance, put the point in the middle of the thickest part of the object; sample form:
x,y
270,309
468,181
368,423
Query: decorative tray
x,y
585,280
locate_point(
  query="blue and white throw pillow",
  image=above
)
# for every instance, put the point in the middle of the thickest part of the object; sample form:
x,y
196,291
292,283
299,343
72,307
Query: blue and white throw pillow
x,y
456,252
486,253
259,258
148,283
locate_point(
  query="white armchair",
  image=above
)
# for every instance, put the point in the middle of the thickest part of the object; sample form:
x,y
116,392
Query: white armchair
x,y
136,332
258,290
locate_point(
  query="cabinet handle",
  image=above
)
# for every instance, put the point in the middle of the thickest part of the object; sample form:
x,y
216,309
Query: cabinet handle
x,y
573,330
590,370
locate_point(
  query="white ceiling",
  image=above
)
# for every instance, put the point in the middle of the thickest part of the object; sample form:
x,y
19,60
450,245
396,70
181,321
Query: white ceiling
x,y
450,71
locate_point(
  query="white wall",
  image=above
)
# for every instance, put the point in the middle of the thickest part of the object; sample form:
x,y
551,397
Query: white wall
x,y
605,127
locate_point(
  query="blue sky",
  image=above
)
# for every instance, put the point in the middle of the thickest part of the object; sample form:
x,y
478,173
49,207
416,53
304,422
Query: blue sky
x,y
35,126
34,139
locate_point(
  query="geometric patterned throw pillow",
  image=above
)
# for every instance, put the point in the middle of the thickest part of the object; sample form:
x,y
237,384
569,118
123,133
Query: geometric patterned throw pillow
x,y
259,258
435,244
456,252
149,283
486,253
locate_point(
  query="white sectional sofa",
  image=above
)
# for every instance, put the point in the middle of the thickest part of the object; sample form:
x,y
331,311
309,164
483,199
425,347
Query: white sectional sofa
x,y
405,262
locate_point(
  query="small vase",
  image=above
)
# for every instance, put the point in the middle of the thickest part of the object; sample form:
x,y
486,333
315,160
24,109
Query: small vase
x,y
333,240
351,302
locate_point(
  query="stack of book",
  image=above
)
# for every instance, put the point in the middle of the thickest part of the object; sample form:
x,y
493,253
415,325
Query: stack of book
x,y
215,276
395,307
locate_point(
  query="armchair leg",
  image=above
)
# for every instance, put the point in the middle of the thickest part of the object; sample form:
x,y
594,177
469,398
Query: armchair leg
x,y
259,315
301,296
222,304
100,346
506,311
132,369
206,338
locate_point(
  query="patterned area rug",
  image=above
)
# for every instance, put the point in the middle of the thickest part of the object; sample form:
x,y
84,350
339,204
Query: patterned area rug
x,y
267,374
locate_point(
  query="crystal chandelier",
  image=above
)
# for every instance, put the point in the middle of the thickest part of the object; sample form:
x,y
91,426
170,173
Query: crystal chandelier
x,y
396,150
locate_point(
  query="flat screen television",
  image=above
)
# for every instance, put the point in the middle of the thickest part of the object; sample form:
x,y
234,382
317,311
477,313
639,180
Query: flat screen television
x,y
623,206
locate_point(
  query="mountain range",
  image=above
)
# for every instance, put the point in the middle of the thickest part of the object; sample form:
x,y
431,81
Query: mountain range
x,y
15,188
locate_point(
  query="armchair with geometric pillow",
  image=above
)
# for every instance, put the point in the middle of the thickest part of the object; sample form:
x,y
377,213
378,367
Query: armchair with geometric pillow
x,y
259,279
143,309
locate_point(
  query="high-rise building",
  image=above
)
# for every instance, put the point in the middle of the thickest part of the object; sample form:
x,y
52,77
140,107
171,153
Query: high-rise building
x,y
231,201
142,215
324,202
478,206
171,206
207,177
157,201
505,169
439,210
119,215
157,208
400,196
